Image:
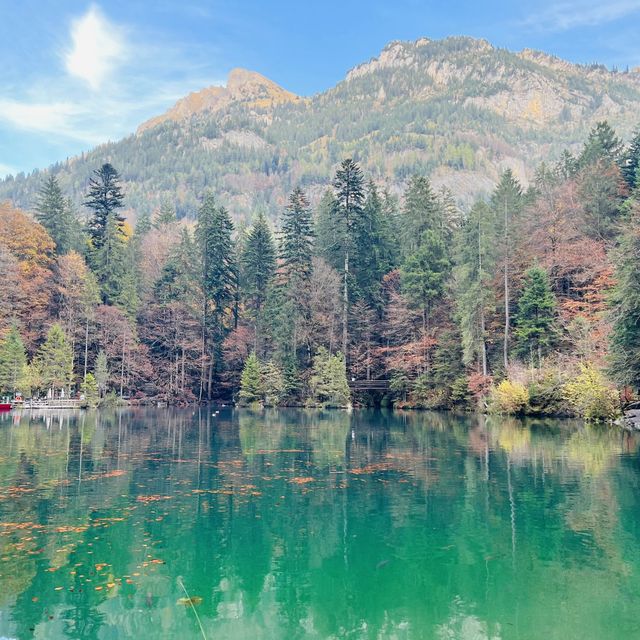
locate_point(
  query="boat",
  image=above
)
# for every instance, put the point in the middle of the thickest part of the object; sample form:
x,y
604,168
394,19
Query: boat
x,y
5,406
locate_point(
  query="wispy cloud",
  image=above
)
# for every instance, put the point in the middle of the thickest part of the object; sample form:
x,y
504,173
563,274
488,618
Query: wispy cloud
x,y
98,46
565,16
109,79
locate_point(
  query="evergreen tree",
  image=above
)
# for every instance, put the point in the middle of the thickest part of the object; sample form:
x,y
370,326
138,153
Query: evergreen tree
x,y
143,224
55,214
105,197
54,360
624,351
375,251
602,144
535,321
328,383
272,383
258,264
425,273
507,202
475,263
219,285
349,191
421,213
251,390
166,215
13,360
296,240
631,161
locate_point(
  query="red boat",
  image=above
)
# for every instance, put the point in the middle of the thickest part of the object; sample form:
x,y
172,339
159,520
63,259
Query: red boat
x,y
5,406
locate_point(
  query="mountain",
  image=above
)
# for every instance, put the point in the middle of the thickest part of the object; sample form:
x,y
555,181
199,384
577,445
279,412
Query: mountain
x,y
458,110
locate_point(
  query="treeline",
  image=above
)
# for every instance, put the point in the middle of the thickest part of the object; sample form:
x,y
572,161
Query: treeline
x,y
530,301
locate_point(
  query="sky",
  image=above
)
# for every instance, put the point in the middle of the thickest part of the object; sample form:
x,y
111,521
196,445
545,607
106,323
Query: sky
x,y
75,74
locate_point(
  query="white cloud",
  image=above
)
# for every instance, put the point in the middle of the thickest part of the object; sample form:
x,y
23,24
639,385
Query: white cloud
x,y
98,47
569,15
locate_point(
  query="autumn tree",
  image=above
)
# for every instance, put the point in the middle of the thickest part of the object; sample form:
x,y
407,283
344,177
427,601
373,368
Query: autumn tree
x,y
54,360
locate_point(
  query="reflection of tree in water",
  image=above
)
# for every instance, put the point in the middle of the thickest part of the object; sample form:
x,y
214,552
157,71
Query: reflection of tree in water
x,y
307,522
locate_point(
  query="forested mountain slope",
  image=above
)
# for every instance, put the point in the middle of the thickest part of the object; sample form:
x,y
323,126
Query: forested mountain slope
x,y
458,110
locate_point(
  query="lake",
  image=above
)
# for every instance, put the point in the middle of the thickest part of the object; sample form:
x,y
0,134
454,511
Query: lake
x,y
145,523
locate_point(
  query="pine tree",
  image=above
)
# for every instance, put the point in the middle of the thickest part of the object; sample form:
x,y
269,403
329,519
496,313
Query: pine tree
x,y
328,383
105,197
13,360
166,215
110,261
535,321
421,212
258,261
55,214
54,360
425,273
251,390
296,239
631,161
272,383
475,263
349,191
219,285
602,145
624,351
143,225
507,202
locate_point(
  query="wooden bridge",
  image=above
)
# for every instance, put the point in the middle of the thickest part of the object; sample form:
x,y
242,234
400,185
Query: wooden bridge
x,y
369,385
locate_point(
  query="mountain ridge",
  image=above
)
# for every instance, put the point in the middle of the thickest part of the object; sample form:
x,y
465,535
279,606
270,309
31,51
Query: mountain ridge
x,y
458,110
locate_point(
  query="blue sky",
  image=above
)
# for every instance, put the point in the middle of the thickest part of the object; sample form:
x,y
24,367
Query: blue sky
x,y
76,73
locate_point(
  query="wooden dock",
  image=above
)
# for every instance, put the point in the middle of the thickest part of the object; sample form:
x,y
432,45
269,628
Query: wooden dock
x,y
53,403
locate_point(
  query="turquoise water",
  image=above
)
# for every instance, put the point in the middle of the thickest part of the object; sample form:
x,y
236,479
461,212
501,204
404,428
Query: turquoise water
x,y
295,524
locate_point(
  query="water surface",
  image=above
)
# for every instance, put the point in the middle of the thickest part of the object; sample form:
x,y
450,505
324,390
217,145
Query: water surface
x,y
294,524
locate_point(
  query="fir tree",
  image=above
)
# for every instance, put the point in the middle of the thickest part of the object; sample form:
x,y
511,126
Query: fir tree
x,y
258,264
328,383
602,144
13,360
105,197
55,214
251,390
272,383
624,351
475,262
631,161
507,202
421,213
349,191
219,279
296,239
166,215
535,321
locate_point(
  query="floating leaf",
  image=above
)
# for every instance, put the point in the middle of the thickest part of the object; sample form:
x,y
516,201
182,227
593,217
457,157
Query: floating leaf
x,y
187,602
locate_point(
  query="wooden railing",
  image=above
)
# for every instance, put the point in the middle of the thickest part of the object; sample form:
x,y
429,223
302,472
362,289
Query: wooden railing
x,y
369,385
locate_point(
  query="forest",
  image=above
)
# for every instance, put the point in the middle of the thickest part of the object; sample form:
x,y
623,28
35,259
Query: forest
x,y
527,302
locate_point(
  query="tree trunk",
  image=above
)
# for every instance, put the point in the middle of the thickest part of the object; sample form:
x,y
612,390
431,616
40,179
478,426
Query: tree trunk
x,y
86,348
345,307
505,348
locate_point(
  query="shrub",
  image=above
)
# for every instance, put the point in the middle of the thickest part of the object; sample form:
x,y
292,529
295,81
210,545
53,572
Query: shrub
x,y
546,394
590,396
509,397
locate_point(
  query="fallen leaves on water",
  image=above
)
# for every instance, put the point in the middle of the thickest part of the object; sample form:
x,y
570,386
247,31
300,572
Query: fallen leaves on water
x,y
187,602
300,480
148,499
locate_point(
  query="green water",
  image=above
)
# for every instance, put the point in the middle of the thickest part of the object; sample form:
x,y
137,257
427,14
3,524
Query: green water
x,y
294,524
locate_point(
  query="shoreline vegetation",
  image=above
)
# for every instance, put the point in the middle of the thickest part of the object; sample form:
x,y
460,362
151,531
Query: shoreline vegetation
x,y
528,303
